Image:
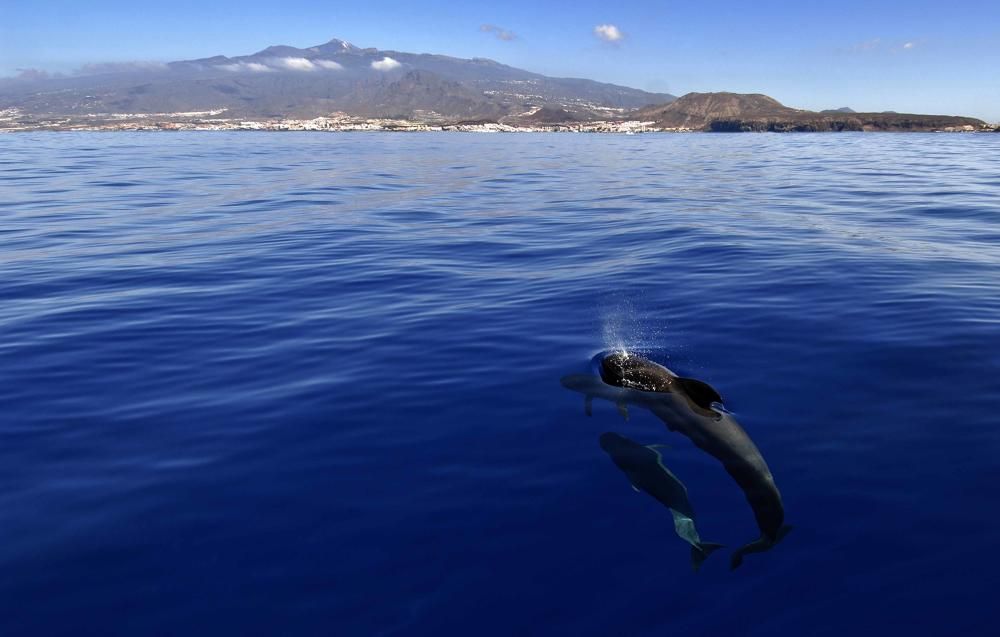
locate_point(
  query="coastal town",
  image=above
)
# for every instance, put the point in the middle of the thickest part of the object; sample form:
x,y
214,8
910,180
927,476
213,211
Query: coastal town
x,y
13,120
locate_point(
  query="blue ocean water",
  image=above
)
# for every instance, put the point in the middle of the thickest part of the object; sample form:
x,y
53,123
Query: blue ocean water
x,y
297,384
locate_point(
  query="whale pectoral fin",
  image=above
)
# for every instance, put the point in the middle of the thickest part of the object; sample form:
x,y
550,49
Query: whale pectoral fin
x,y
593,386
700,392
588,405
623,410
631,482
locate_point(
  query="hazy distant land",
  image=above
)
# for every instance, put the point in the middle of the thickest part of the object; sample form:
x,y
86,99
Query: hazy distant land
x,y
339,87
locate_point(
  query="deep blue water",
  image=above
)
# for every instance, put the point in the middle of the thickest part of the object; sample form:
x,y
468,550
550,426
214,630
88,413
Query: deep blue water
x,y
266,384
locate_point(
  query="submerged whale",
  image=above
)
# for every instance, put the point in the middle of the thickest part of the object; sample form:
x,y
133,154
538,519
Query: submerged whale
x,y
646,472
685,405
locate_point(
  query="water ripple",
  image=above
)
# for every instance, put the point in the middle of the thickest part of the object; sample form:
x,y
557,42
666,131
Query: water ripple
x,y
311,381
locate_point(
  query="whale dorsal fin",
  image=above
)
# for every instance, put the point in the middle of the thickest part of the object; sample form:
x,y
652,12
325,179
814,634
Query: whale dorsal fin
x,y
700,392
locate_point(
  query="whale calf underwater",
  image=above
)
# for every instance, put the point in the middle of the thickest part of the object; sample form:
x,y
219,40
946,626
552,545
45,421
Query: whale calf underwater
x,y
685,405
643,465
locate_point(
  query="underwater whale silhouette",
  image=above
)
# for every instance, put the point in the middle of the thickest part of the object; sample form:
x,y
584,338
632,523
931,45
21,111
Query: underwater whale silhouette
x,y
685,405
643,465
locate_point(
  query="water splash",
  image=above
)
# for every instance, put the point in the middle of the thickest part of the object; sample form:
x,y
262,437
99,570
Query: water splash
x,y
625,328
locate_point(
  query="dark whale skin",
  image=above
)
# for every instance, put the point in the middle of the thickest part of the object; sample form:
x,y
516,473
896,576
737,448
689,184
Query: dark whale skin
x,y
685,405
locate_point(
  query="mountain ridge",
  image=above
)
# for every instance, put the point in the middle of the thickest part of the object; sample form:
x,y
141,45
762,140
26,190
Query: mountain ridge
x,y
755,112
339,79
335,76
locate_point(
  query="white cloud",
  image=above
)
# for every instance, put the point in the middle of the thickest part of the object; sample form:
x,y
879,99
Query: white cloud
x,y
120,67
868,45
609,33
32,74
881,47
385,64
293,64
499,32
242,67
286,64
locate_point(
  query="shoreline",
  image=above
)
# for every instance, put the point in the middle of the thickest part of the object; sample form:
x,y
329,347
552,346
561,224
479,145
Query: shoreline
x,y
450,129
14,120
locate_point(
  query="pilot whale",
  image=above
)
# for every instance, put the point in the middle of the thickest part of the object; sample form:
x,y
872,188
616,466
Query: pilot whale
x,y
643,465
685,405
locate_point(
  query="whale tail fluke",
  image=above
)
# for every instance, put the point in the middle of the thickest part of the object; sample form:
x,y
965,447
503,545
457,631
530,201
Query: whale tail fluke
x,y
782,532
701,552
759,545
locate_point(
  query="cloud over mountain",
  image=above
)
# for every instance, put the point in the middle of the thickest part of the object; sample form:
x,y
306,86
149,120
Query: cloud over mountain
x,y
385,64
32,74
242,67
120,67
286,81
293,64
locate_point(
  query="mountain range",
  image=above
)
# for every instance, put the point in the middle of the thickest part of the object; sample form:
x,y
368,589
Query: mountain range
x,y
284,81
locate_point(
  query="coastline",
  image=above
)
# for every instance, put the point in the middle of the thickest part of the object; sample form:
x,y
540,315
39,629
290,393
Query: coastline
x,y
266,127
14,120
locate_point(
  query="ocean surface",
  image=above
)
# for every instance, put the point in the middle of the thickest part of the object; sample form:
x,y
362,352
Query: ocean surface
x,y
308,384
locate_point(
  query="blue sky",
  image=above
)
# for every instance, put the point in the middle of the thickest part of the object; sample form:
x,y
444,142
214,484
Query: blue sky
x,y
916,56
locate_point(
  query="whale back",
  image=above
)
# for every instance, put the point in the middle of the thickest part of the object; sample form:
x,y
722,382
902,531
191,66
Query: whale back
x,y
624,369
628,370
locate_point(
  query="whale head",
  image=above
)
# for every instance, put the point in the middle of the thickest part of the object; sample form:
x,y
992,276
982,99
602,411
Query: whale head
x,y
611,442
633,371
630,370
628,454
